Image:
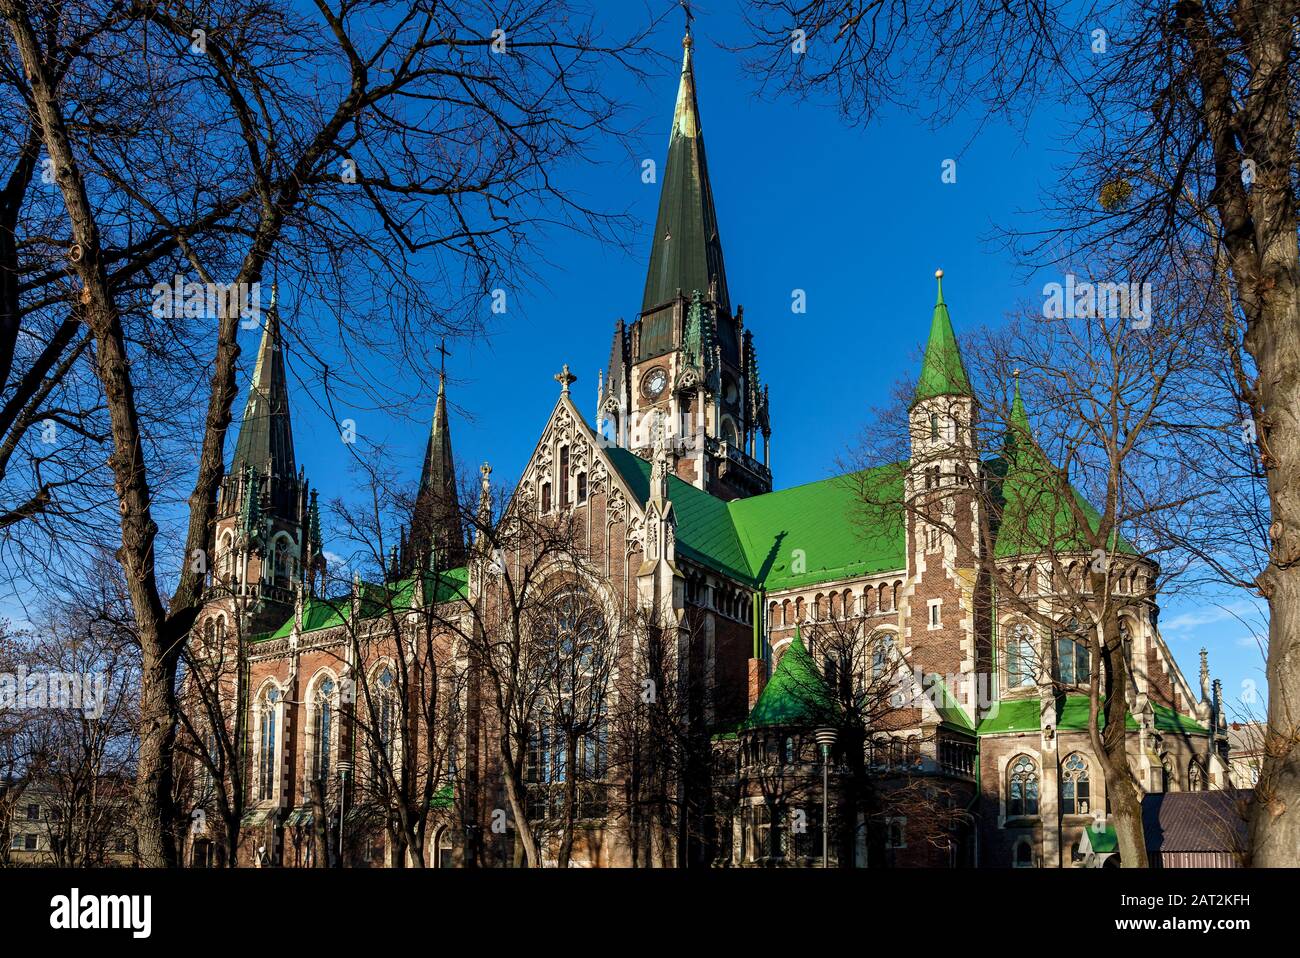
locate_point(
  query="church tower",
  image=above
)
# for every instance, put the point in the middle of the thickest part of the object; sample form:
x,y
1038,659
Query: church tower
x,y
436,527
944,597
267,539
688,361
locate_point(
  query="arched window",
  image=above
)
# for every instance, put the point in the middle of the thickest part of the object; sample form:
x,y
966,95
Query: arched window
x,y
226,563
221,630
268,743
882,654
1075,797
209,632
564,476
280,568
546,497
386,712
1073,658
323,728
1166,774
1195,776
582,487
1020,657
934,425
1022,788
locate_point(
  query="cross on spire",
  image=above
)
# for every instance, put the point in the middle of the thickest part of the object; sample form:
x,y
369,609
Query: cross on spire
x,y
442,348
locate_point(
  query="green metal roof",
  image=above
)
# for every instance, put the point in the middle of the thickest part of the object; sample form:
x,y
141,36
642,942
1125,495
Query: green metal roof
x,y
1011,715
319,612
1037,516
942,371
754,540
1021,715
828,524
949,709
1073,716
1167,720
795,695
1102,840
705,531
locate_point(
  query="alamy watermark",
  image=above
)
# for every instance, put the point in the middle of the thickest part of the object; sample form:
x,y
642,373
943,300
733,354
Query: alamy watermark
x,y
85,691
1076,300
208,301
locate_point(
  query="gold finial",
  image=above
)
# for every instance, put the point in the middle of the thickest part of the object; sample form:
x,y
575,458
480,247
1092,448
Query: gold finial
x,y
938,274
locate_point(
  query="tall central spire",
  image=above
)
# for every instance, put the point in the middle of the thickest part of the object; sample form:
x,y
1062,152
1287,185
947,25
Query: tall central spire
x,y
265,440
687,253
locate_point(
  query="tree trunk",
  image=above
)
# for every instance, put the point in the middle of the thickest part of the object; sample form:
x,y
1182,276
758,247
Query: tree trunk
x,y
1258,232
1111,743
570,799
518,806
159,650
319,827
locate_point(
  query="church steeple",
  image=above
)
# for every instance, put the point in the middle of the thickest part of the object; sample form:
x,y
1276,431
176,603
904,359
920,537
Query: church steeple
x,y
263,550
435,523
687,253
686,361
942,371
265,440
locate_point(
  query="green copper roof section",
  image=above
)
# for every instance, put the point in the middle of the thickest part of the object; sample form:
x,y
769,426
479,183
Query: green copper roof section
x,y
795,695
705,531
1167,720
821,531
1022,715
817,532
1011,715
942,371
949,709
443,586
265,436
319,612
1102,840
686,254
1037,515
1073,716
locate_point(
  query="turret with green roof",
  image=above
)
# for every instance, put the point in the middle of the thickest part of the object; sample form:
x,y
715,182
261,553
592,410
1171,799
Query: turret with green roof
x,y
796,696
942,371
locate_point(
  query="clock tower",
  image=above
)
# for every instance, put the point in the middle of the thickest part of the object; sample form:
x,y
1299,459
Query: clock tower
x,y
688,361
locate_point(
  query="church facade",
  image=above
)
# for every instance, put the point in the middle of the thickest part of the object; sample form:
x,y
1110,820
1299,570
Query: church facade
x,y
833,676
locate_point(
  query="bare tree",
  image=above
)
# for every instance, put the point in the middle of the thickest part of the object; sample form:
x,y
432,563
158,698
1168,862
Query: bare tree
x,y
403,139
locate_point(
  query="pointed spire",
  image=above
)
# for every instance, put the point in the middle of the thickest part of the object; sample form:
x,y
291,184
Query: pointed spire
x,y
796,695
942,371
615,395
687,253
265,436
1018,420
435,522
483,521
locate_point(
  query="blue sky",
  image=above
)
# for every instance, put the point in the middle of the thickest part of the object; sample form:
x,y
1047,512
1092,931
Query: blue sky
x,y
858,218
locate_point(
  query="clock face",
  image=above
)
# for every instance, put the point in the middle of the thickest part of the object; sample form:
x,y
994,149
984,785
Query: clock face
x,y
655,382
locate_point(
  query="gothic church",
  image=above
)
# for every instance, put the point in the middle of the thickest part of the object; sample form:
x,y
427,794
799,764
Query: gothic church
x,y
668,491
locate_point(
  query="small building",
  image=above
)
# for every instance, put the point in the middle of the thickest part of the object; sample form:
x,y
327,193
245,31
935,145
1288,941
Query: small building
x,y
1197,829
